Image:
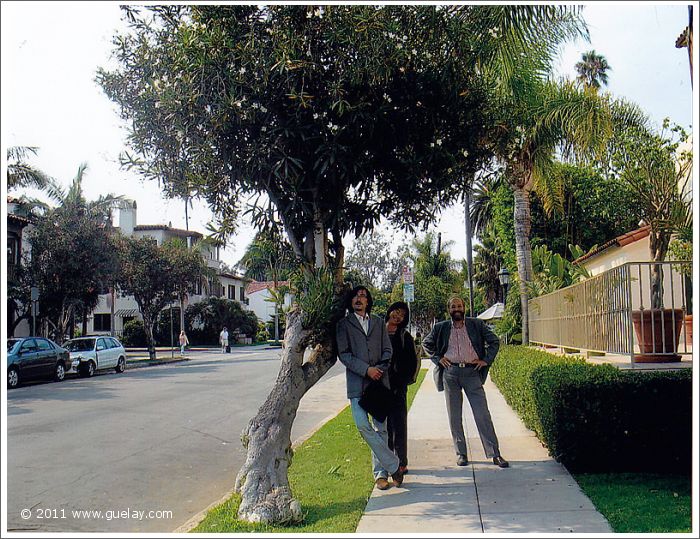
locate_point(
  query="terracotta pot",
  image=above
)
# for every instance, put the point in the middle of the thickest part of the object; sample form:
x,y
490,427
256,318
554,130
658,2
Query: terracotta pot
x,y
658,331
689,329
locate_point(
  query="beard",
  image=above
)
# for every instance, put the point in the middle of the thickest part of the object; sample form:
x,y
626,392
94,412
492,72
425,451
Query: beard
x,y
457,316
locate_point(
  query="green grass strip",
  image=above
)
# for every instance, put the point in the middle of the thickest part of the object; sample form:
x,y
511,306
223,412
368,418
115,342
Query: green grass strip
x,y
641,502
331,476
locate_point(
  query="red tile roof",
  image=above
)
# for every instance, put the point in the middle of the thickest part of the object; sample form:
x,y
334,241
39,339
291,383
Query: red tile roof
x,y
620,241
257,286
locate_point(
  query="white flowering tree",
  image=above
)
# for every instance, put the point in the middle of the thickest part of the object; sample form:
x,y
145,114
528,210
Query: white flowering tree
x,y
331,118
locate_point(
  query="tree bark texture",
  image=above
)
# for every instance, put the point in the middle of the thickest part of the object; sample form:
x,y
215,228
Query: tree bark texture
x,y
263,479
658,246
523,252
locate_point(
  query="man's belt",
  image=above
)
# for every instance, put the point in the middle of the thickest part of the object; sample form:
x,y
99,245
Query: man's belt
x,y
464,364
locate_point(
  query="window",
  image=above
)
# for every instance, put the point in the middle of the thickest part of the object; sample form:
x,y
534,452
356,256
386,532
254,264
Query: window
x,y
101,345
28,346
231,292
242,293
102,322
115,343
198,288
12,250
43,345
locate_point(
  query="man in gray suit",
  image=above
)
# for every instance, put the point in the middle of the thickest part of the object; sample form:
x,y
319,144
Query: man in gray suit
x,y
463,349
365,350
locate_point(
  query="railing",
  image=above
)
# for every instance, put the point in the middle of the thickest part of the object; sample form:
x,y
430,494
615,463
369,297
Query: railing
x,y
638,309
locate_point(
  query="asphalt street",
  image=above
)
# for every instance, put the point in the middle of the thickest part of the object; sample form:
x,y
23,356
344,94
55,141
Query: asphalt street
x,y
139,452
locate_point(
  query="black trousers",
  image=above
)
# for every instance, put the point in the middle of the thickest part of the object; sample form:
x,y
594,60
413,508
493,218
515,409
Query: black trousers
x,y
397,426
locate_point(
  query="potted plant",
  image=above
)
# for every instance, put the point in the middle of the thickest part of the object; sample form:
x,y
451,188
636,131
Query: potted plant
x,y
658,171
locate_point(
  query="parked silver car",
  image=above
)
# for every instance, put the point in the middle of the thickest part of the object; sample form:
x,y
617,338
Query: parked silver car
x,y
92,353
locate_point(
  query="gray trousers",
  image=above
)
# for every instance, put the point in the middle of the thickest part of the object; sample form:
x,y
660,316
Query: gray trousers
x,y
457,379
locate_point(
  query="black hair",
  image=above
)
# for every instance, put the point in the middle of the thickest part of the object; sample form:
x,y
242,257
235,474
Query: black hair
x,y
395,307
353,293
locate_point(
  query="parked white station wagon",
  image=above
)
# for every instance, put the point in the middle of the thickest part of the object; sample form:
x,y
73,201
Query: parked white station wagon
x,y
89,354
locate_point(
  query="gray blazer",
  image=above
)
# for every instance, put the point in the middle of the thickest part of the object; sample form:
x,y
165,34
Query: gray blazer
x,y
484,341
358,351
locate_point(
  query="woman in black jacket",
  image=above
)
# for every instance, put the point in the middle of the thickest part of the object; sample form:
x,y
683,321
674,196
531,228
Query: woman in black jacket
x,y
403,371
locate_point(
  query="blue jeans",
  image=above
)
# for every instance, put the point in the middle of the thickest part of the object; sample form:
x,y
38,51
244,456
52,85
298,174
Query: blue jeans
x,y
384,461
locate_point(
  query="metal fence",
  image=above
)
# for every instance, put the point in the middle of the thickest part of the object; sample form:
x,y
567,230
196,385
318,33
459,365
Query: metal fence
x,y
640,309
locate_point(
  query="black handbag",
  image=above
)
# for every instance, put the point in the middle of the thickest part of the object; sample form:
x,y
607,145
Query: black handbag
x,y
377,400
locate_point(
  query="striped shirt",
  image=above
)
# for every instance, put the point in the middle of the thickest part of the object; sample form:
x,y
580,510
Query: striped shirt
x,y
460,349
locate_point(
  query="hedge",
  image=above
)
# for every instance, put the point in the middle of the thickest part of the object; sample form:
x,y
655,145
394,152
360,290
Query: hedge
x,y
597,418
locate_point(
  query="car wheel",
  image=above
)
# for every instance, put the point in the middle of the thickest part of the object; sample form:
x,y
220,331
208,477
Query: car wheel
x,y
87,369
60,372
12,378
121,365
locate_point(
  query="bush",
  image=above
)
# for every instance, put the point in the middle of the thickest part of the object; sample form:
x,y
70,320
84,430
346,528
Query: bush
x,y
512,372
597,418
134,334
607,420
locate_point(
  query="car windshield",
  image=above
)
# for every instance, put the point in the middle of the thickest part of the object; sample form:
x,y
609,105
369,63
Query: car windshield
x,y
79,345
11,343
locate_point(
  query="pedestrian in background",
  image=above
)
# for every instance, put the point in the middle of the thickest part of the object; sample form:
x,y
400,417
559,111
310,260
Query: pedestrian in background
x,y
223,340
403,371
184,341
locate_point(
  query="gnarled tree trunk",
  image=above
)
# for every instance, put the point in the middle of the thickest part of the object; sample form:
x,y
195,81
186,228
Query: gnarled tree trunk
x,y
263,481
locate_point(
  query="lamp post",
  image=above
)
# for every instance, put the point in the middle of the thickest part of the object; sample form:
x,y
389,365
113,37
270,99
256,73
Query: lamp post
x,y
504,279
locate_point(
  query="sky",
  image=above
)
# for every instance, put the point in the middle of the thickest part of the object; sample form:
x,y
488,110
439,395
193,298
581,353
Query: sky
x,y
50,52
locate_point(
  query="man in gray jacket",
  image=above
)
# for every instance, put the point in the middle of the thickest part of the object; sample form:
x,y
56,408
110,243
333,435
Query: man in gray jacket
x,y
463,349
365,350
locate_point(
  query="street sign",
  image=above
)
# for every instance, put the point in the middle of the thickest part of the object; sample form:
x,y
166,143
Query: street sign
x,y
408,292
407,274
34,293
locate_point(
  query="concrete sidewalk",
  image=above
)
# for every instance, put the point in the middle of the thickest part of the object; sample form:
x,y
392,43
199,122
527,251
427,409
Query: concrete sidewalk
x,y
535,495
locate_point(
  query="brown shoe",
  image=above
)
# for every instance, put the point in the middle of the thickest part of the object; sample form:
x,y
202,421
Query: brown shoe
x,y
382,483
397,476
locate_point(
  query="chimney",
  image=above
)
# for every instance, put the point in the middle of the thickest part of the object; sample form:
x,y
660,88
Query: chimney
x,y
127,217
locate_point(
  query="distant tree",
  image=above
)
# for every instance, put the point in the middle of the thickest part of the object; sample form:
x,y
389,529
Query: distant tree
x,y
205,319
487,263
72,256
435,279
21,174
269,257
378,259
592,70
145,274
188,269
156,275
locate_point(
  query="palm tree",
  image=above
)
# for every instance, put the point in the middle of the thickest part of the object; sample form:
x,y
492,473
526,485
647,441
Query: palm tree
x,y
592,70
514,47
487,263
556,117
100,210
22,175
481,210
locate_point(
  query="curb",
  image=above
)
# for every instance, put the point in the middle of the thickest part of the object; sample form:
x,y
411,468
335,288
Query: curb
x,y
143,363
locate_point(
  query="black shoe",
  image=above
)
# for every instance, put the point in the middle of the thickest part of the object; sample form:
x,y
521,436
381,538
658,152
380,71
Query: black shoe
x,y
500,462
462,460
397,476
